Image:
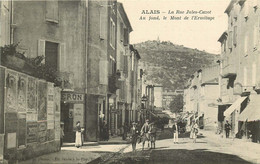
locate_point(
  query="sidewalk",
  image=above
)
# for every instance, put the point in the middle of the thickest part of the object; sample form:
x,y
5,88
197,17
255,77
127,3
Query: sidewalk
x,y
91,151
245,149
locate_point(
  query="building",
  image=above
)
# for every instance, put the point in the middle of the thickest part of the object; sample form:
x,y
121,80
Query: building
x,y
168,96
239,64
158,92
47,33
201,94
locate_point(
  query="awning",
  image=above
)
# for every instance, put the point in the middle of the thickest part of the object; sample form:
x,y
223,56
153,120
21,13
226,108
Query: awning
x,y
234,106
252,111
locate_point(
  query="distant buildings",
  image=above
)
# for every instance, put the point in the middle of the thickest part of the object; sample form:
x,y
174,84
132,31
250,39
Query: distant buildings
x,y
201,94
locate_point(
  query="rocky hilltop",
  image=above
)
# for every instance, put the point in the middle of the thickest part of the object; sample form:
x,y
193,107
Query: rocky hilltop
x,y
170,65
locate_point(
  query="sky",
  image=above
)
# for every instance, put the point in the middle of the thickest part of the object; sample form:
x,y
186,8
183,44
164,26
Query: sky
x,y
200,34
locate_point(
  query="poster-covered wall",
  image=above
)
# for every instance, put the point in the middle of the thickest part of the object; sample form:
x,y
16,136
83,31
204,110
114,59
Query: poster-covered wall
x,y
31,113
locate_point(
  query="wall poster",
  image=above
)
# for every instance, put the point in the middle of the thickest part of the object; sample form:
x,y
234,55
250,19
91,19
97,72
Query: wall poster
x,y
50,106
42,131
21,92
11,91
32,130
31,115
21,131
42,100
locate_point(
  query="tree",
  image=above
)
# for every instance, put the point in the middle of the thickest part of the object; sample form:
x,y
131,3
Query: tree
x,y
176,105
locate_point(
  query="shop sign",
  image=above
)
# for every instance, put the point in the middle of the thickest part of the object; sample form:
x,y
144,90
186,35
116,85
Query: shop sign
x,y
72,97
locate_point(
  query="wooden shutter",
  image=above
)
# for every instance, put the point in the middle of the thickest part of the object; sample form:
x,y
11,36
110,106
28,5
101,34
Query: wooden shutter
x,y
103,74
253,74
255,36
62,57
103,26
41,49
230,40
246,45
52,11
121,32
235,36
126,37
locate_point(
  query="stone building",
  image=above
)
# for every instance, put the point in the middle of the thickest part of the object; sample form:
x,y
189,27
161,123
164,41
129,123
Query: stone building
x,y
239,63
201,94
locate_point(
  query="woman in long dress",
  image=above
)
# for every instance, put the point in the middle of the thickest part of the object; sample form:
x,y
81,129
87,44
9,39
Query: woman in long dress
x,y
78,140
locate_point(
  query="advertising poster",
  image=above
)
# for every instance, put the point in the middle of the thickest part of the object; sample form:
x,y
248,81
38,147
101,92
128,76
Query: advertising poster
x,y
57,126
11,140
42,100
50,106
78,114
11,91
21,131
21,92
32,131
11,122
42,131
32,95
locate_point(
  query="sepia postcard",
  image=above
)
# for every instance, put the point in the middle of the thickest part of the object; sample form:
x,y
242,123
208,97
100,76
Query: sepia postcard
x,y
129,81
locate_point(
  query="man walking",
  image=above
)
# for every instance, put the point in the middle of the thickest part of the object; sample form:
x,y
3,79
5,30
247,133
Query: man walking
x,y
227,129
144,132
175,129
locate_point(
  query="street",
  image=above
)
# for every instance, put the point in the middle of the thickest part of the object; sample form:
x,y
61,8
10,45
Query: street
x,y
209,148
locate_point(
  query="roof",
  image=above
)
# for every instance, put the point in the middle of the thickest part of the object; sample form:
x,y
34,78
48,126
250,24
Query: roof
x,y
223,36
230,6
135,51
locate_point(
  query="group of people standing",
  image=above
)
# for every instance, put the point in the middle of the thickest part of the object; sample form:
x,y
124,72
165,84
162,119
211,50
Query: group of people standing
x,y
146,133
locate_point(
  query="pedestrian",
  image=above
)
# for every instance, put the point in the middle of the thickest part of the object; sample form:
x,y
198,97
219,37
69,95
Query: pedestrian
x,y
144,132
192,129
152,132
216,127
61,133
227,128
125,129
175,129
134,136
78,140
105,131
195,132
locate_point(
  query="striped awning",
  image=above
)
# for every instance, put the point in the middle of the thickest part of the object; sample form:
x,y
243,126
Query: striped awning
x,y
234,106
252,111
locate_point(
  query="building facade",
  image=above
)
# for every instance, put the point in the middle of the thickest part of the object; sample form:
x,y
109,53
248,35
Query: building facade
x,y
239,64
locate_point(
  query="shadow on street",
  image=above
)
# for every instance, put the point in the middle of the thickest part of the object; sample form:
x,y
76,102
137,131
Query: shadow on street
x,y
177,156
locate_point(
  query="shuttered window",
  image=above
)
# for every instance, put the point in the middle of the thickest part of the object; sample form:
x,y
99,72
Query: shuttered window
x,y
235,36
230,39
62,57
253,74
103,74
103,26
52,11
126,65
126,37
41,49
246,45
255,36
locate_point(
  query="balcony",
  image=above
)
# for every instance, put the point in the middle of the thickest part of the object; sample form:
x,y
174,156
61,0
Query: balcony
x,y
113,83
229,71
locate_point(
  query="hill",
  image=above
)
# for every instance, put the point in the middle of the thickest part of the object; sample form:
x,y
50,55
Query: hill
x,y
170,65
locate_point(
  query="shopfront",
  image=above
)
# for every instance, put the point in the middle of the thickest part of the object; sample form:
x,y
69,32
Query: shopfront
x,y
72,111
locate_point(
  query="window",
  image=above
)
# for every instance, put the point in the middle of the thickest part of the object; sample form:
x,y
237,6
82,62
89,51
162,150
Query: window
x,y
121,32
230,40
51,55
52,12
246,10
253,74
126,37
255,37
112,33
102,21
235,36
246,45
103,79
245,76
